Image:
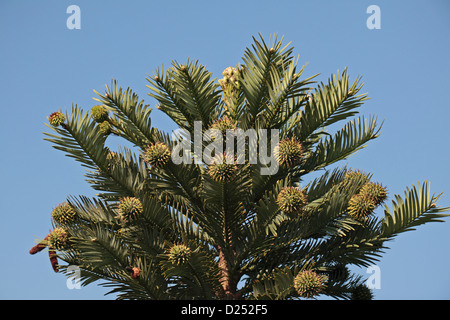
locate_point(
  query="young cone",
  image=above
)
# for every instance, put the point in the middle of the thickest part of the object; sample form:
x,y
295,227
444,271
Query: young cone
x,y
130,208
309,284
376,191
157,155
63,214
292,201
289,152
99,113
56,119
179,254
58,239
361,206
221,170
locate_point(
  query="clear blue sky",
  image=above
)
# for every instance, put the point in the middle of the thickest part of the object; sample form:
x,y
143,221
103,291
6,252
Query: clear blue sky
x,y
44,67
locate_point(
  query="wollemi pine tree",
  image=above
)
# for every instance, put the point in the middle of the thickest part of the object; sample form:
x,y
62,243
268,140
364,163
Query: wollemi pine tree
x,y
226,208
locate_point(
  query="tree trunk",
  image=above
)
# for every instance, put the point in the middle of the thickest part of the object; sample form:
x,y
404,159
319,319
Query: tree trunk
x,y
228,281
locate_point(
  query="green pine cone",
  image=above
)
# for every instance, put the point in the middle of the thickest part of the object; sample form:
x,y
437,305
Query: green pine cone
x,y
309,284
376,191
157,155
99,113
354,178
356,174
292,201
56,119
361,206
64,214
222,171
223,124
105,128
58,239
179,254
289,152
130,208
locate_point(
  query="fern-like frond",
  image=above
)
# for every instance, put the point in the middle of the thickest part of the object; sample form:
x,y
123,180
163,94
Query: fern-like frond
x,y
80,139
351,138
417,207
330,103
276,286
262,65
132,120
186,93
